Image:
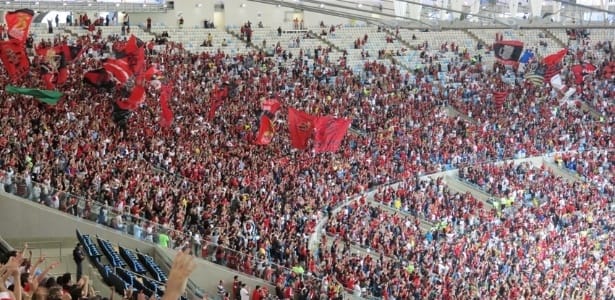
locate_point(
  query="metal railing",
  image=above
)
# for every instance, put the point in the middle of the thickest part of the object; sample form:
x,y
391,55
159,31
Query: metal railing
x,y
134,226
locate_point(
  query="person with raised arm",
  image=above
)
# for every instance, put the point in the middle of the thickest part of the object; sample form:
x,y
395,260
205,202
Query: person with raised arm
x,y
183,265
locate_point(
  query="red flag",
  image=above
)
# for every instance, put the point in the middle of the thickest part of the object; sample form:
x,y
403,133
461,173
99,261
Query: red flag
x,y
48,81
18,24
166,116
14,58
62,75
149,73
217,98
555,58
301,127
135,54
329,133
118,68
265,131
71,53
499,97
136,97
270,105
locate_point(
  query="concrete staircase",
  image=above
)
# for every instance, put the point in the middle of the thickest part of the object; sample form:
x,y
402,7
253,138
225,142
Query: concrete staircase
x,y
555,38
457,185
329,43
238,37
475,37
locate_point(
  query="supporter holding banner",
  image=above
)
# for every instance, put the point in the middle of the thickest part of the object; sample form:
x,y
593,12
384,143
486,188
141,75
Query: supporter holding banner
x,y
301,127
508,52
18,24
329,133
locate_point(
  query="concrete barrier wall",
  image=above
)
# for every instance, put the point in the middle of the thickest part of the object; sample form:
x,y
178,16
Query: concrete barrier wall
x,y
24,219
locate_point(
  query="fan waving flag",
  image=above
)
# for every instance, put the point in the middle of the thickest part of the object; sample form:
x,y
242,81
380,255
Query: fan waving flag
x,y
45,96
329,133
508,52
301,127
265,131
18,24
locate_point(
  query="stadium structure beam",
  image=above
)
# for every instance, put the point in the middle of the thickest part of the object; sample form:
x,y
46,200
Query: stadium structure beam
x,y
322,10
565,2
82,6
499,20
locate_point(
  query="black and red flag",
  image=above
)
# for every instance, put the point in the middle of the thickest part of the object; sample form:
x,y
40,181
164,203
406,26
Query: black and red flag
x,y
14,58
99,78
300,127
508,52
329,133
137,96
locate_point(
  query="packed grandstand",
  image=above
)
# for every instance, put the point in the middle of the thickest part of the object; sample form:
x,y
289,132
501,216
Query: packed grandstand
x,y
302,159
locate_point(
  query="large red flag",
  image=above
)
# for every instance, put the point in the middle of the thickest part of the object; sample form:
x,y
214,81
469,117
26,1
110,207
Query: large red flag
x,y
18,24
14,58
555,58
166,116
329,133
135,54
265,131
301,127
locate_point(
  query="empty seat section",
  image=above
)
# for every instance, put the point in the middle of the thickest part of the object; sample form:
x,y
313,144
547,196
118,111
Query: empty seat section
x,y
132,260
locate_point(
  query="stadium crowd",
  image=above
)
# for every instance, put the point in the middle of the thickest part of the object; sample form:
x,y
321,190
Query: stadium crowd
x,y
256,207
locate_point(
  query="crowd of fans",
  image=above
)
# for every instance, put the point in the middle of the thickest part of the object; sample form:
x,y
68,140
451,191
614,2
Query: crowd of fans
x,y
257,206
